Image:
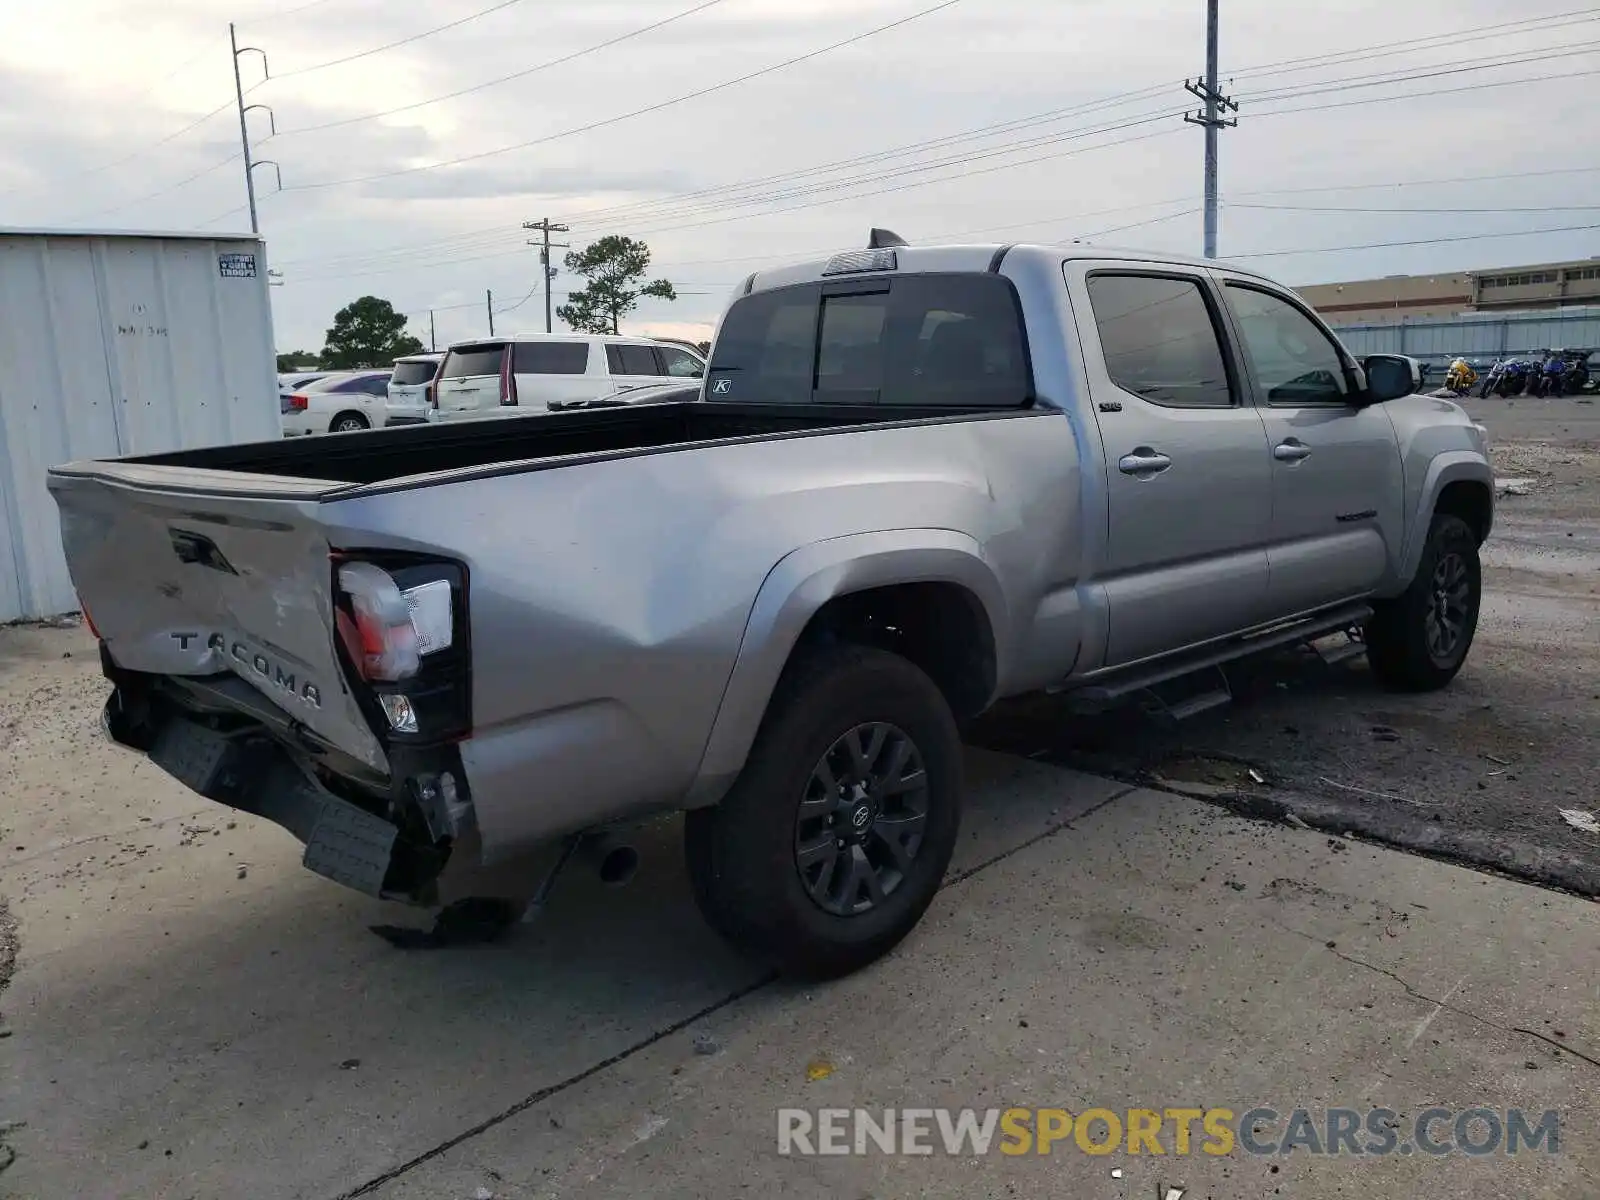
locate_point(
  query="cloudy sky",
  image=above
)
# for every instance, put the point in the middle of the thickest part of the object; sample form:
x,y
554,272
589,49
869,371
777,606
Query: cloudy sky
x,y
414,139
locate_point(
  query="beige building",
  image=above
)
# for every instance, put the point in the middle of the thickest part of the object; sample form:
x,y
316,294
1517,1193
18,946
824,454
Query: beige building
x,y
1408,297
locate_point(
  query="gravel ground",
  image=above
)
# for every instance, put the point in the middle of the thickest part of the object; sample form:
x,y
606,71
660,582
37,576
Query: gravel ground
x,y
1480,772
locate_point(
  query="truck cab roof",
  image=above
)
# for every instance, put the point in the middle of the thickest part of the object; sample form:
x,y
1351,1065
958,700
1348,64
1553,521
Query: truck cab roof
x,y
980,256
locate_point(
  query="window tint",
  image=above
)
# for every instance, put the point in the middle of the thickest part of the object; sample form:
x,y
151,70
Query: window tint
x,y
680,364
764,349
551,358
1293,360
632,360
850,353
372,385
471,361
913,340
407,373
1159,340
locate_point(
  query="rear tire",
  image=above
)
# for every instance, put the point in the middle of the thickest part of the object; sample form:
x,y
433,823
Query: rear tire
x,y
1418,641
348,422
831,844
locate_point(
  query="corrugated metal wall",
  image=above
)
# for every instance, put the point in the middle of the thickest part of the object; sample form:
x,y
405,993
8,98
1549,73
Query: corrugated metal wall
x,y
1477,335
113,345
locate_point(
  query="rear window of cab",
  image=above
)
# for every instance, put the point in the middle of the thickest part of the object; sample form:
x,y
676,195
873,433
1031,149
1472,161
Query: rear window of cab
x,y
928,339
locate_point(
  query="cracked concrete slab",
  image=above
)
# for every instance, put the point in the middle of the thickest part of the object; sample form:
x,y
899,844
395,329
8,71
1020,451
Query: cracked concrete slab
x,y
1155,953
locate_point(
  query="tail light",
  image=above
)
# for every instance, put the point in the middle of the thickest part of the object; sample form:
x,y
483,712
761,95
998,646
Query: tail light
x,y
401,623
508,381
432,394
298,403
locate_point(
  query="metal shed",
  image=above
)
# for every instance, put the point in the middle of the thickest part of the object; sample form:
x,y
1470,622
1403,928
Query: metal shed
x,y
115,343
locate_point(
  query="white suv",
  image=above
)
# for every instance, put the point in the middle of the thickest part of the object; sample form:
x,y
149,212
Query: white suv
x,y
410,388
551,371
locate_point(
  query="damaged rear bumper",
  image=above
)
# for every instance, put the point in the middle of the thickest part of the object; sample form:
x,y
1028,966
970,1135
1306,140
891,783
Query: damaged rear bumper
x,y
387,836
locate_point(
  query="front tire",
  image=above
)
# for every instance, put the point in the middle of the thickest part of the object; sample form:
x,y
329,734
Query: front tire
x,y
348,423
836,836
1418,641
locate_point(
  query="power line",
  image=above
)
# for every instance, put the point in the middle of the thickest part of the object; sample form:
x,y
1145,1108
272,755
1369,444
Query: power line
x,y
544,66
1456,37
1467,237
624,211
143,150
880,191
206,224
926,182
1360,187
405,41
184,182
1380,78
912,169
497,233
727,190
265,18
655,208
1471,87
658,107
1537,208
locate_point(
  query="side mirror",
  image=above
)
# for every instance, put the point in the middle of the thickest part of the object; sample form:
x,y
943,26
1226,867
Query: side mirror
x,y
1390,376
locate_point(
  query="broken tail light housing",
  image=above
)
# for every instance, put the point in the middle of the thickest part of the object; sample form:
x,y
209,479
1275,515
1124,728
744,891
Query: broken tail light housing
x,y
401,622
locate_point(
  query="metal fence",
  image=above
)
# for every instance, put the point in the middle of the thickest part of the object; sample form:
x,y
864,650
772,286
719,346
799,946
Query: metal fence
x,y
1479,337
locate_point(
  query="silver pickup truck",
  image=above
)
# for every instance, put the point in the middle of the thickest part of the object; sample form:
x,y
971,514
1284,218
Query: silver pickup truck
x,y
917,480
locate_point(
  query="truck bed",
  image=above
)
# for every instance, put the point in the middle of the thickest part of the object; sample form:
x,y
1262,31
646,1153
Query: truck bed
x,y
384,455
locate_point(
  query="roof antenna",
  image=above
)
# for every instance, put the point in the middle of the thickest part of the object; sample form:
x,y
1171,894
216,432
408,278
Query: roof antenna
x,y
882,239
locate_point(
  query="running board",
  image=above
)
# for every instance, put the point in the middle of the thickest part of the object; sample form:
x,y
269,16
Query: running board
x,y
1102,695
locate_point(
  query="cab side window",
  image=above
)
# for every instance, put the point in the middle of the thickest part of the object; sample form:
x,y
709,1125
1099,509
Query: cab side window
x,y
1291,358
1160,340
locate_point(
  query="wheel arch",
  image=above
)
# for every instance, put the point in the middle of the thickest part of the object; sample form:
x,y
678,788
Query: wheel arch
x,y
1460,483
927,594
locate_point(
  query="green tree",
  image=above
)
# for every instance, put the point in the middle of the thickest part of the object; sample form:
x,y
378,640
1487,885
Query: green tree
x,y
297,360
615,268
367,333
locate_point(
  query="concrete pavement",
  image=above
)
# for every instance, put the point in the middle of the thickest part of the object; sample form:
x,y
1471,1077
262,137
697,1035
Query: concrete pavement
x,y
180,1027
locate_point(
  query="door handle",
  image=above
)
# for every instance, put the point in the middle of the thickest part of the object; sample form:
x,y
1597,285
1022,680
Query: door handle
x,y
1292,450
1143,461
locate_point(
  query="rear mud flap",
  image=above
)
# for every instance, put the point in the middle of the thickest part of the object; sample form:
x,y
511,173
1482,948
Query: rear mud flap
x,y
343,842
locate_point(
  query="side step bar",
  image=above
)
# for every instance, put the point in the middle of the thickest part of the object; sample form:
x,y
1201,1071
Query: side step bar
x,y
1121,685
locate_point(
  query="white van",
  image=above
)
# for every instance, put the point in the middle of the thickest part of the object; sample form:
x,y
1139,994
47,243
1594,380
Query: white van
x,y
409,398
552,371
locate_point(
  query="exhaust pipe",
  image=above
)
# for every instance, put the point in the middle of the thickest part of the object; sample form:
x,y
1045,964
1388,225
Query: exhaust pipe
x,y
612,859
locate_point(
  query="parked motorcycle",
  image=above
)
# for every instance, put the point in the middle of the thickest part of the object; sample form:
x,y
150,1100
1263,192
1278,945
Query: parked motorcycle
x,y
1575,378
1460,376
1514,379
1491,378
1552,377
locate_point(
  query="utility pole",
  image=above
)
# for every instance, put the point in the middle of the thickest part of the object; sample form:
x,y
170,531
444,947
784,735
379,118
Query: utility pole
x,y
1212,120
488,304
433,342
250,164
544,226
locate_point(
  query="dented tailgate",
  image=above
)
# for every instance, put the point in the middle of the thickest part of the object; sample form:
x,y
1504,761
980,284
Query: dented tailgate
x,y
194,572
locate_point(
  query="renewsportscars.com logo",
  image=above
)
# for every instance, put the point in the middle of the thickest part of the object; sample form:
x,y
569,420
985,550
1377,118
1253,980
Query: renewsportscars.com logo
x,y
1175,1132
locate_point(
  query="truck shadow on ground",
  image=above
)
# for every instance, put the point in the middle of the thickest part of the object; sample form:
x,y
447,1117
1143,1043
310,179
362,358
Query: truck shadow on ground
x,y
271,1015
1478,772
